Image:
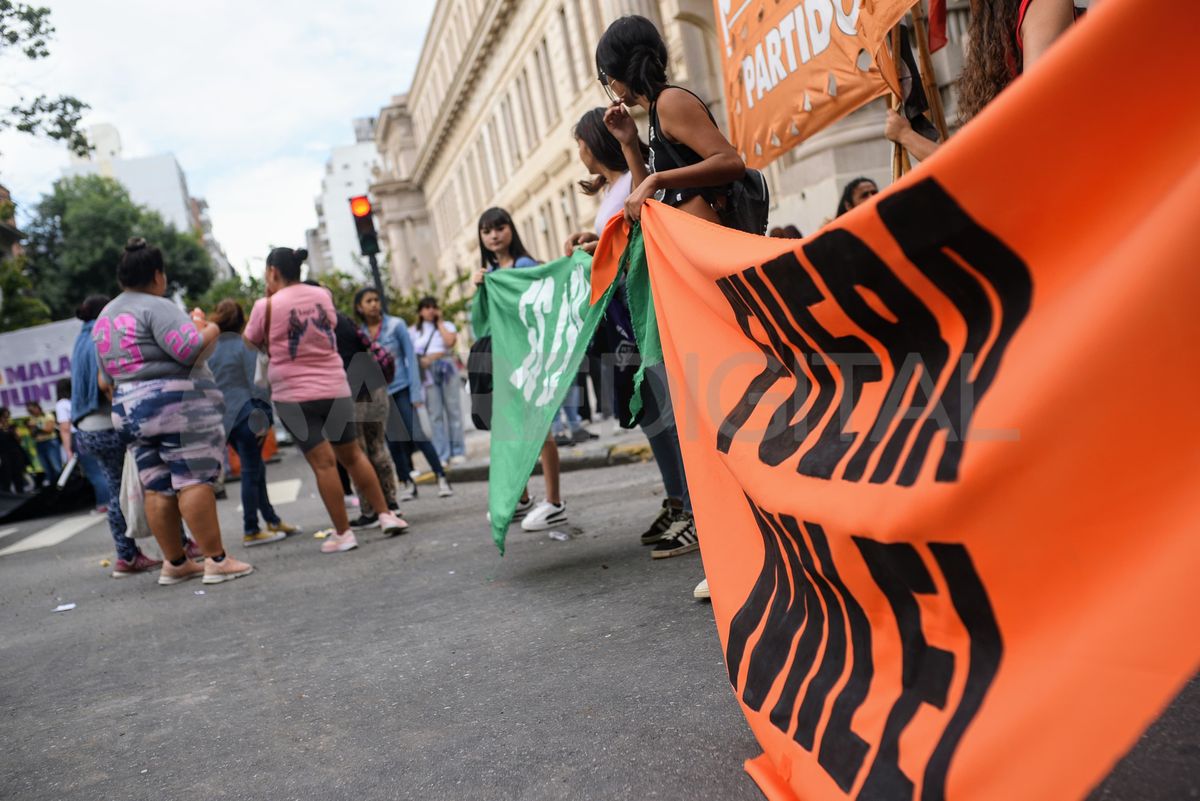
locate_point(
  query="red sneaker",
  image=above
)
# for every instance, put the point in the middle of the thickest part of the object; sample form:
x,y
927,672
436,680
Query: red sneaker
x,y
140,564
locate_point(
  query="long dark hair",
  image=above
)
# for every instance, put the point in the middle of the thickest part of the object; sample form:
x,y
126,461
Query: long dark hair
x,y
848,194
993,58
633,51
493,218
592,131
358,297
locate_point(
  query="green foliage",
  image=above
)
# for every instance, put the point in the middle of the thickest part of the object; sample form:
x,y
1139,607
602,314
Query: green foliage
x,y
244,290
27,29
400,304
343,286
19,307
79,231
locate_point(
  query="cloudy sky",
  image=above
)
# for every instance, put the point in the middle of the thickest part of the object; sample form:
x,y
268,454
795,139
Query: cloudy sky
x,y
249,96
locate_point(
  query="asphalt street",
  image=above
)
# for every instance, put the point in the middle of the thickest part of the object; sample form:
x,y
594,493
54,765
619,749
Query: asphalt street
x,y
425,667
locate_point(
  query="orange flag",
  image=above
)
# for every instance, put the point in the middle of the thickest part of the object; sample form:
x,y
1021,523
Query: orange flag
x,y
793,67
944,453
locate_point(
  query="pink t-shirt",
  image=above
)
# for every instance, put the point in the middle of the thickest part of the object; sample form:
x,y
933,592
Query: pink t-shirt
x,y
304,360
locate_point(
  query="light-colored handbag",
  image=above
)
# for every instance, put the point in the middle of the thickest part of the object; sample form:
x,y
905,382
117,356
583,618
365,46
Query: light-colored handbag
x,y
133,500
264,359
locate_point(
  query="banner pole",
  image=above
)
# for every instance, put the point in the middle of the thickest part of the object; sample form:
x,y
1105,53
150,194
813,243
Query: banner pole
x,y
899,155
928,79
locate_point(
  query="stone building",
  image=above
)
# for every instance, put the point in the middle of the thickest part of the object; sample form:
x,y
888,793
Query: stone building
x,y
487,122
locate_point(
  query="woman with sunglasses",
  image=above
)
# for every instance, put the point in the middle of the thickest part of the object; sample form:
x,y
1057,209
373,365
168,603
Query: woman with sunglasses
x,y
691,163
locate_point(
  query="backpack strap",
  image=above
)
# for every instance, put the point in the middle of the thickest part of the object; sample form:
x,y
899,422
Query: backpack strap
x,y
658,128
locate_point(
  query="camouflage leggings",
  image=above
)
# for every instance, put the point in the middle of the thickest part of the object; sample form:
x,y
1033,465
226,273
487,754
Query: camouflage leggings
x,y
371,417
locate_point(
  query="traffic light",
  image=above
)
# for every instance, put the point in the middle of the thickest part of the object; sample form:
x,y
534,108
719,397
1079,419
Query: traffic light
x,y
364,225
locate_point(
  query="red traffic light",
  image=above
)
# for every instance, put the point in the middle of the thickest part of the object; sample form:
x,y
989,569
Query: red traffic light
x,y
360,206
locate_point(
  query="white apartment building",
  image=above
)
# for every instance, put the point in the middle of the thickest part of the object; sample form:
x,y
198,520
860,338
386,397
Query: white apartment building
x,y
497,90
156,182
349,172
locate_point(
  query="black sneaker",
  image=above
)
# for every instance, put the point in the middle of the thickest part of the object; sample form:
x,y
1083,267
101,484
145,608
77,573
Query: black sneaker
x,y
583,435
678,539
563,439
364,520
660,525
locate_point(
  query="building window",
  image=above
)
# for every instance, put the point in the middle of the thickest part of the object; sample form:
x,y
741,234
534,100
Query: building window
x,y
526,105
546,83
510,128
486,170
568,49
497,154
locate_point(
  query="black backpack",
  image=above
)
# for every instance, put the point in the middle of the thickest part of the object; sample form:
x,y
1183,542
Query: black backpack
x,y
747,200
479,378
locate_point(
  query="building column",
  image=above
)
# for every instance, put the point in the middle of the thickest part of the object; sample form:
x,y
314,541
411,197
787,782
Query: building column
x,y
406,235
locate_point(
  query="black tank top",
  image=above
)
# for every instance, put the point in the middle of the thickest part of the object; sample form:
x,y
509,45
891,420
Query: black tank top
x,y
666,155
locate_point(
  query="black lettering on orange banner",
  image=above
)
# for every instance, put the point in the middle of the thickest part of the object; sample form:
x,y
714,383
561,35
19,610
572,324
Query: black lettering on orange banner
x,y
802,608
928,392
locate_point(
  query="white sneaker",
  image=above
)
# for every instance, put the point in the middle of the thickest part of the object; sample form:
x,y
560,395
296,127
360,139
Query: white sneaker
x,y
460,459
410,492
444,488
545,515
523,508
701,591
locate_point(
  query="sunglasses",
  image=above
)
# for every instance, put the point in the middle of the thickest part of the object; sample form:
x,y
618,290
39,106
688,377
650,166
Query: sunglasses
x,y
604,81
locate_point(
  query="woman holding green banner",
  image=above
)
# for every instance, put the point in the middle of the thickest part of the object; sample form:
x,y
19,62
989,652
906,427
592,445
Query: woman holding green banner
x,y
500,247
691,165
602,156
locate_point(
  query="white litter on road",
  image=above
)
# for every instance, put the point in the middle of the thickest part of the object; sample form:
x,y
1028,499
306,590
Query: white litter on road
x,y
64,607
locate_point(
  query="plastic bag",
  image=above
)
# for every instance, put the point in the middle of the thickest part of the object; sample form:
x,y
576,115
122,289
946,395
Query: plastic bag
x,y
133,500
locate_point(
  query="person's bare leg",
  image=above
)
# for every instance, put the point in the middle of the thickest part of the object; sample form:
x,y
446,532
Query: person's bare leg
x,y
324,467
162,513
362,474
550,471
198,506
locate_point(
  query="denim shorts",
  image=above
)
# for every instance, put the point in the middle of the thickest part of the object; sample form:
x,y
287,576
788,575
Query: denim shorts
x,y
174,427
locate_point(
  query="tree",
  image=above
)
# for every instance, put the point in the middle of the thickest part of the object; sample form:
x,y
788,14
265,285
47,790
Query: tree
x,y
244,290
19,308
79,231
400,304
27,30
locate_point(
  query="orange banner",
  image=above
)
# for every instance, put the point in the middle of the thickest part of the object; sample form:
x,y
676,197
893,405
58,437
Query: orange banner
x,y
944,453
794,67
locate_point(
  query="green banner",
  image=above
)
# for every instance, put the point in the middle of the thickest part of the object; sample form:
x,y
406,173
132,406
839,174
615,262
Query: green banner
x,y
540,324
641,311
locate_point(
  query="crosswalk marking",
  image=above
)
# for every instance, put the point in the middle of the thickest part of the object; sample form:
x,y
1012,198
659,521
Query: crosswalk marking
x,y
61,531
281,492
285,491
